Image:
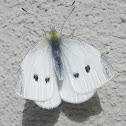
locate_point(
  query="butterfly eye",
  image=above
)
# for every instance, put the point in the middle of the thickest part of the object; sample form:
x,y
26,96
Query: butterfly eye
x,y
87,68
36,77
76,75
47,80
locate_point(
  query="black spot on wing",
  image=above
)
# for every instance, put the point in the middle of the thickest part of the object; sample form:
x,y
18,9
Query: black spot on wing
x,y
76,75
36,77
47,80
87,68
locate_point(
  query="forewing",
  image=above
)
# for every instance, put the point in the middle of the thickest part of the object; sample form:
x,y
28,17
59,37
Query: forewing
x,y
54,101
87,68
35,68
68,94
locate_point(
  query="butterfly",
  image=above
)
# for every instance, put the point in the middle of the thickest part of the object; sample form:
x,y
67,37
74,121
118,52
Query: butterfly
x,y
58,69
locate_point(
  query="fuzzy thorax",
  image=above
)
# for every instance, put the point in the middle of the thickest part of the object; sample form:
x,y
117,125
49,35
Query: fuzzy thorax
x,y
53,34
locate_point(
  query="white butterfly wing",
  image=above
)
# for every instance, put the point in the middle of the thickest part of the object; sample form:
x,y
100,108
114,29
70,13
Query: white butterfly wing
x,y
54,101
68,94
38,62
87,68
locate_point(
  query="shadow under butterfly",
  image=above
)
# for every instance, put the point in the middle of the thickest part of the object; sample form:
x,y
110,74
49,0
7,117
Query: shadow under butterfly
x,y
33,115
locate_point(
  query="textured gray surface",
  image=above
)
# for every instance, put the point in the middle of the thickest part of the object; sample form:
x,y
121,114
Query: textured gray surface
x,y
100,23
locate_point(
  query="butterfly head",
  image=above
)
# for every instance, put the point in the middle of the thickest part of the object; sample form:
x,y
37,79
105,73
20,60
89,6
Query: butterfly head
x,y
53,34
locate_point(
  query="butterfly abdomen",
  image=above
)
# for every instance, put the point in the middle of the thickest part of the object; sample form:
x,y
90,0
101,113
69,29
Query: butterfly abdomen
x,y
56,53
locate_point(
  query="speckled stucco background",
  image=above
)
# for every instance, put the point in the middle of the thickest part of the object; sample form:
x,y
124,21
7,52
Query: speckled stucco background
x,y
100,23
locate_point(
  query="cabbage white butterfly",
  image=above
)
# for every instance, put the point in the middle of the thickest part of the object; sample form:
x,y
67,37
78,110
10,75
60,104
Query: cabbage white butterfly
x,y
58,68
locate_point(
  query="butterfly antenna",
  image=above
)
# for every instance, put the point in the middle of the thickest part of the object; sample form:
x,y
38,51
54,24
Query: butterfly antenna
x,y
24,10
35,18
73,3
67,18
